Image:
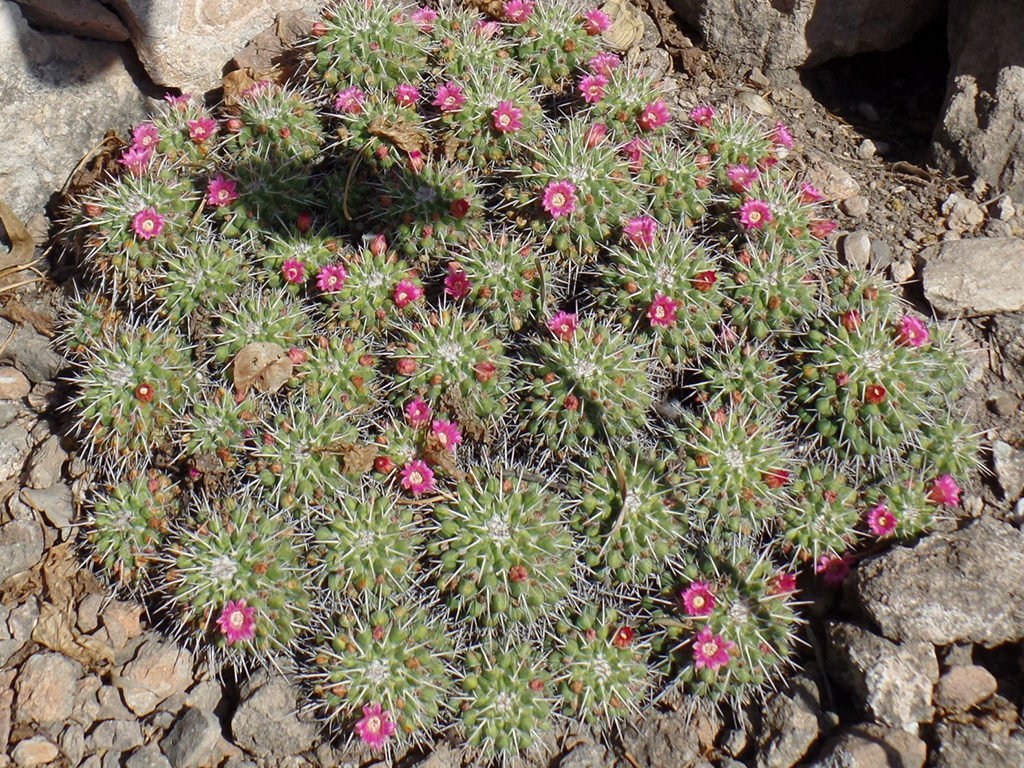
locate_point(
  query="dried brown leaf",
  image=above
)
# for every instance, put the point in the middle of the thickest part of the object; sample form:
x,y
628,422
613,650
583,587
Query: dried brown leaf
x,y
17,312
435,453
22,246
627,25
235,83
403,134
55,630
262,365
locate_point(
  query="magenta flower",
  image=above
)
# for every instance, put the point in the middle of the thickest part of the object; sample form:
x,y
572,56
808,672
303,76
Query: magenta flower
x,y
634,150
711,652
221,191
517,11
350,100
913,332
781,136
604,64
446,433
417,477
592,88
833,568
662,311
809,193
417,412
698,599
754,214
145,136
563,325
202,129
945,491
406,95
703,115
450,97
406,292
881,521
456,284
178,102
595,135
507,117
237,621
655,115
148,223
641,230
742,176
486,29
376,727
293,271
783,583
559,198
136,158
424,18
596,21
331,278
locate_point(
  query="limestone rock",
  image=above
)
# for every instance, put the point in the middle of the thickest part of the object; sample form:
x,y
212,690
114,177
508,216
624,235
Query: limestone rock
x,y
1009,466
46,688
789,725
35,751
980,276
945,590
265,723
158,670
961,744
46,462
21,547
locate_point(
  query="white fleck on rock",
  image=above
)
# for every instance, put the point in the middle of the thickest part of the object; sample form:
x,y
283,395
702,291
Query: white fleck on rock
x,y
13,384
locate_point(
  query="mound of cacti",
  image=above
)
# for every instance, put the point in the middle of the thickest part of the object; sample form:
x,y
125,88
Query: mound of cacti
x,y
485,384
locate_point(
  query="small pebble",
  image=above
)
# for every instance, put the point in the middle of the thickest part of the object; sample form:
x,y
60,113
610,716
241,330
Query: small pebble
x,y
855,206
867,149
881,255
13,384
857,249
1004,208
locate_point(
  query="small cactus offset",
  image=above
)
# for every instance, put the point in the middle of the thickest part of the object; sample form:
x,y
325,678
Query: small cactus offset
x,y
473,378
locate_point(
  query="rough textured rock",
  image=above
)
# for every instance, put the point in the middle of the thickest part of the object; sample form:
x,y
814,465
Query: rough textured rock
x,y
961,687
789,724
185,43
148,756
1009,466
159,670
873,746
190,742
116,735
60,96
35,751
21,546
54,502
14,447
981,132
980,276
21,620
960,744
81,18
892,682
13,384
668,740
585,756
945,589
45,464
46,688
778,34
265,723
32,353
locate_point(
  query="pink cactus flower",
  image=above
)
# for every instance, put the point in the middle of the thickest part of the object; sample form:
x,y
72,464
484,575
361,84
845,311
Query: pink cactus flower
x,y
698,599
417,412
783,584
450,97
595,135
517,11
662,311
457,284
881,521
563,325
913,332
486,29
145,136
634,151
592,88
754,214
376,727
446,433
136,158
180,103
331,278
237,622
507,118
596,21
703,115
406,95
654,115
809,194
417,477
742,177
202,129
781,136
833,568
604,64
406,292
147,223
424,18
221,191
641,231
350,101
945,491
821,228
559,198
711,652
294,271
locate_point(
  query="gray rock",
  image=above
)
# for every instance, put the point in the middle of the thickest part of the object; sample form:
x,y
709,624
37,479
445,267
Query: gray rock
x,y
856,248
1009,466
205,695
54,502
265,723
855,206
13,384
961,687
1009,335
110,705
31,352
87,705
190,743
665,739
14,447
158,670
442,757
892,682
779,35
72,743
1004,208
980,276
945,590
88,612
789,724
117,735
21,547
148,756
46,688
981,132
881,255
45,464
962,214
38,750
873,746
20,622
81,18
585,756
960,744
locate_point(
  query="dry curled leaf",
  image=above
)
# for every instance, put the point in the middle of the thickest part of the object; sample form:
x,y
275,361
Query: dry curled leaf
x,y
262,365
403,134
56,631
356,458
627,25
438,455
22,246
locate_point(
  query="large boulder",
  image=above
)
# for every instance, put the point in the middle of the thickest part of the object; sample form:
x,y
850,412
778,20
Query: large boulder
x,y
981,132
779,34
